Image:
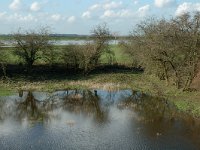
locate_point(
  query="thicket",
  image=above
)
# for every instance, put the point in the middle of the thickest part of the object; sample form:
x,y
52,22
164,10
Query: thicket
x,y
87,56
32,46
168,48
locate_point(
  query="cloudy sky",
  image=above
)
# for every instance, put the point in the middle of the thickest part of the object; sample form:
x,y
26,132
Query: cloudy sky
x,y
79,16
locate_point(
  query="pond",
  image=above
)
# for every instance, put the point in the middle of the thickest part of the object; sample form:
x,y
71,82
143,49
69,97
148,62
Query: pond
x,y
93,119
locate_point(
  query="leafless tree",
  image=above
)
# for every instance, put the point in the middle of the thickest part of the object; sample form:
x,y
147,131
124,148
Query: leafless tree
x,y
168,48
87,56
32,45
100,36
3,61
72,56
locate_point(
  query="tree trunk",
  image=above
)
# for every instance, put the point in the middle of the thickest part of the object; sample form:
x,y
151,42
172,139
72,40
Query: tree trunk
x,y
4,70
30,65
166,74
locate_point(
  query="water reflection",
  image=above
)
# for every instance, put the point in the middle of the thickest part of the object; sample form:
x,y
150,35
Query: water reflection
x,y
85,102
27,106
150,109
94,119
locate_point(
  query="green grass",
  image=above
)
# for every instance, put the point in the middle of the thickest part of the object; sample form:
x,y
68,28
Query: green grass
x,y
9,55
119,56
5,91
5,37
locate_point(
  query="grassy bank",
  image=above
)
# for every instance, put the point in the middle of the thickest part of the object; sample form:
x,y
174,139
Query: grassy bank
x,y
6,91
185,101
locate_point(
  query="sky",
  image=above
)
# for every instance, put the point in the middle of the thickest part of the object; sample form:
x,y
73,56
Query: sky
x,y
81,16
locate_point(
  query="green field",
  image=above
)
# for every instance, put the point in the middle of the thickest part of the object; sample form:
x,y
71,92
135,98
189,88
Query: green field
x,y
119,56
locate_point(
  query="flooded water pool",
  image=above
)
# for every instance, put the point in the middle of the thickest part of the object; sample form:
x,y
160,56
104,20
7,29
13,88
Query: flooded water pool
x,y
93,119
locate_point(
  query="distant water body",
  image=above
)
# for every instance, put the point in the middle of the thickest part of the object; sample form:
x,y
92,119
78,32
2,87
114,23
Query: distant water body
x,y
80,42
10,43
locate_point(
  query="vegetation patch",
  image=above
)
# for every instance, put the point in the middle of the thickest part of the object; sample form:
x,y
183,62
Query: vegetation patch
x,y
5,91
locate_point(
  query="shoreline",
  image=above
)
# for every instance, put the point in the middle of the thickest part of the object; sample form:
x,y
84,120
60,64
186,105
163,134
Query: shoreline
x,y
187,102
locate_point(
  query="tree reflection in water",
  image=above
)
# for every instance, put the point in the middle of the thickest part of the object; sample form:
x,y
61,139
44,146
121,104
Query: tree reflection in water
x,y
159,117
148,108
31,108
151,116
83,102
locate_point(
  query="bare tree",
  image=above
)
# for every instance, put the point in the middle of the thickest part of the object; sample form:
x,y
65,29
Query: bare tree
x,y
31,45
87,56
72,55
3,61
168,48
101,36
187,38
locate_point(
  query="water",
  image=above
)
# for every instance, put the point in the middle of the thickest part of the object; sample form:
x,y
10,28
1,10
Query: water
x,y
9,43
80,42
99,119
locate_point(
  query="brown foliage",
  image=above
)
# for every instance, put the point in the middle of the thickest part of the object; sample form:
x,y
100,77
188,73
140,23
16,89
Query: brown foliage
x,y
168,48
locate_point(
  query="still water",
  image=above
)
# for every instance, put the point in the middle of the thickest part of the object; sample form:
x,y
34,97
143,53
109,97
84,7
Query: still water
x,y
90,119
80,42
10,43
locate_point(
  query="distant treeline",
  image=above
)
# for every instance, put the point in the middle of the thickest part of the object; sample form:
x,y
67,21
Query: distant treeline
x,y
65,37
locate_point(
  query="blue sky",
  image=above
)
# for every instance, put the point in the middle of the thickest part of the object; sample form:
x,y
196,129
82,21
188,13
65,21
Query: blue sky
x,y
80,16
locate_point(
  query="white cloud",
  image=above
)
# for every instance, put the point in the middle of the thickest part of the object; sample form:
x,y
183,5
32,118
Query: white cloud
x,y
20,18
187,7
135,1
95,7
15,5
2,14
109,14
106,6
56,17
124,13
35,6
40,17
164,3
86,15
112,5
71,19
142,11
29,17
108,9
